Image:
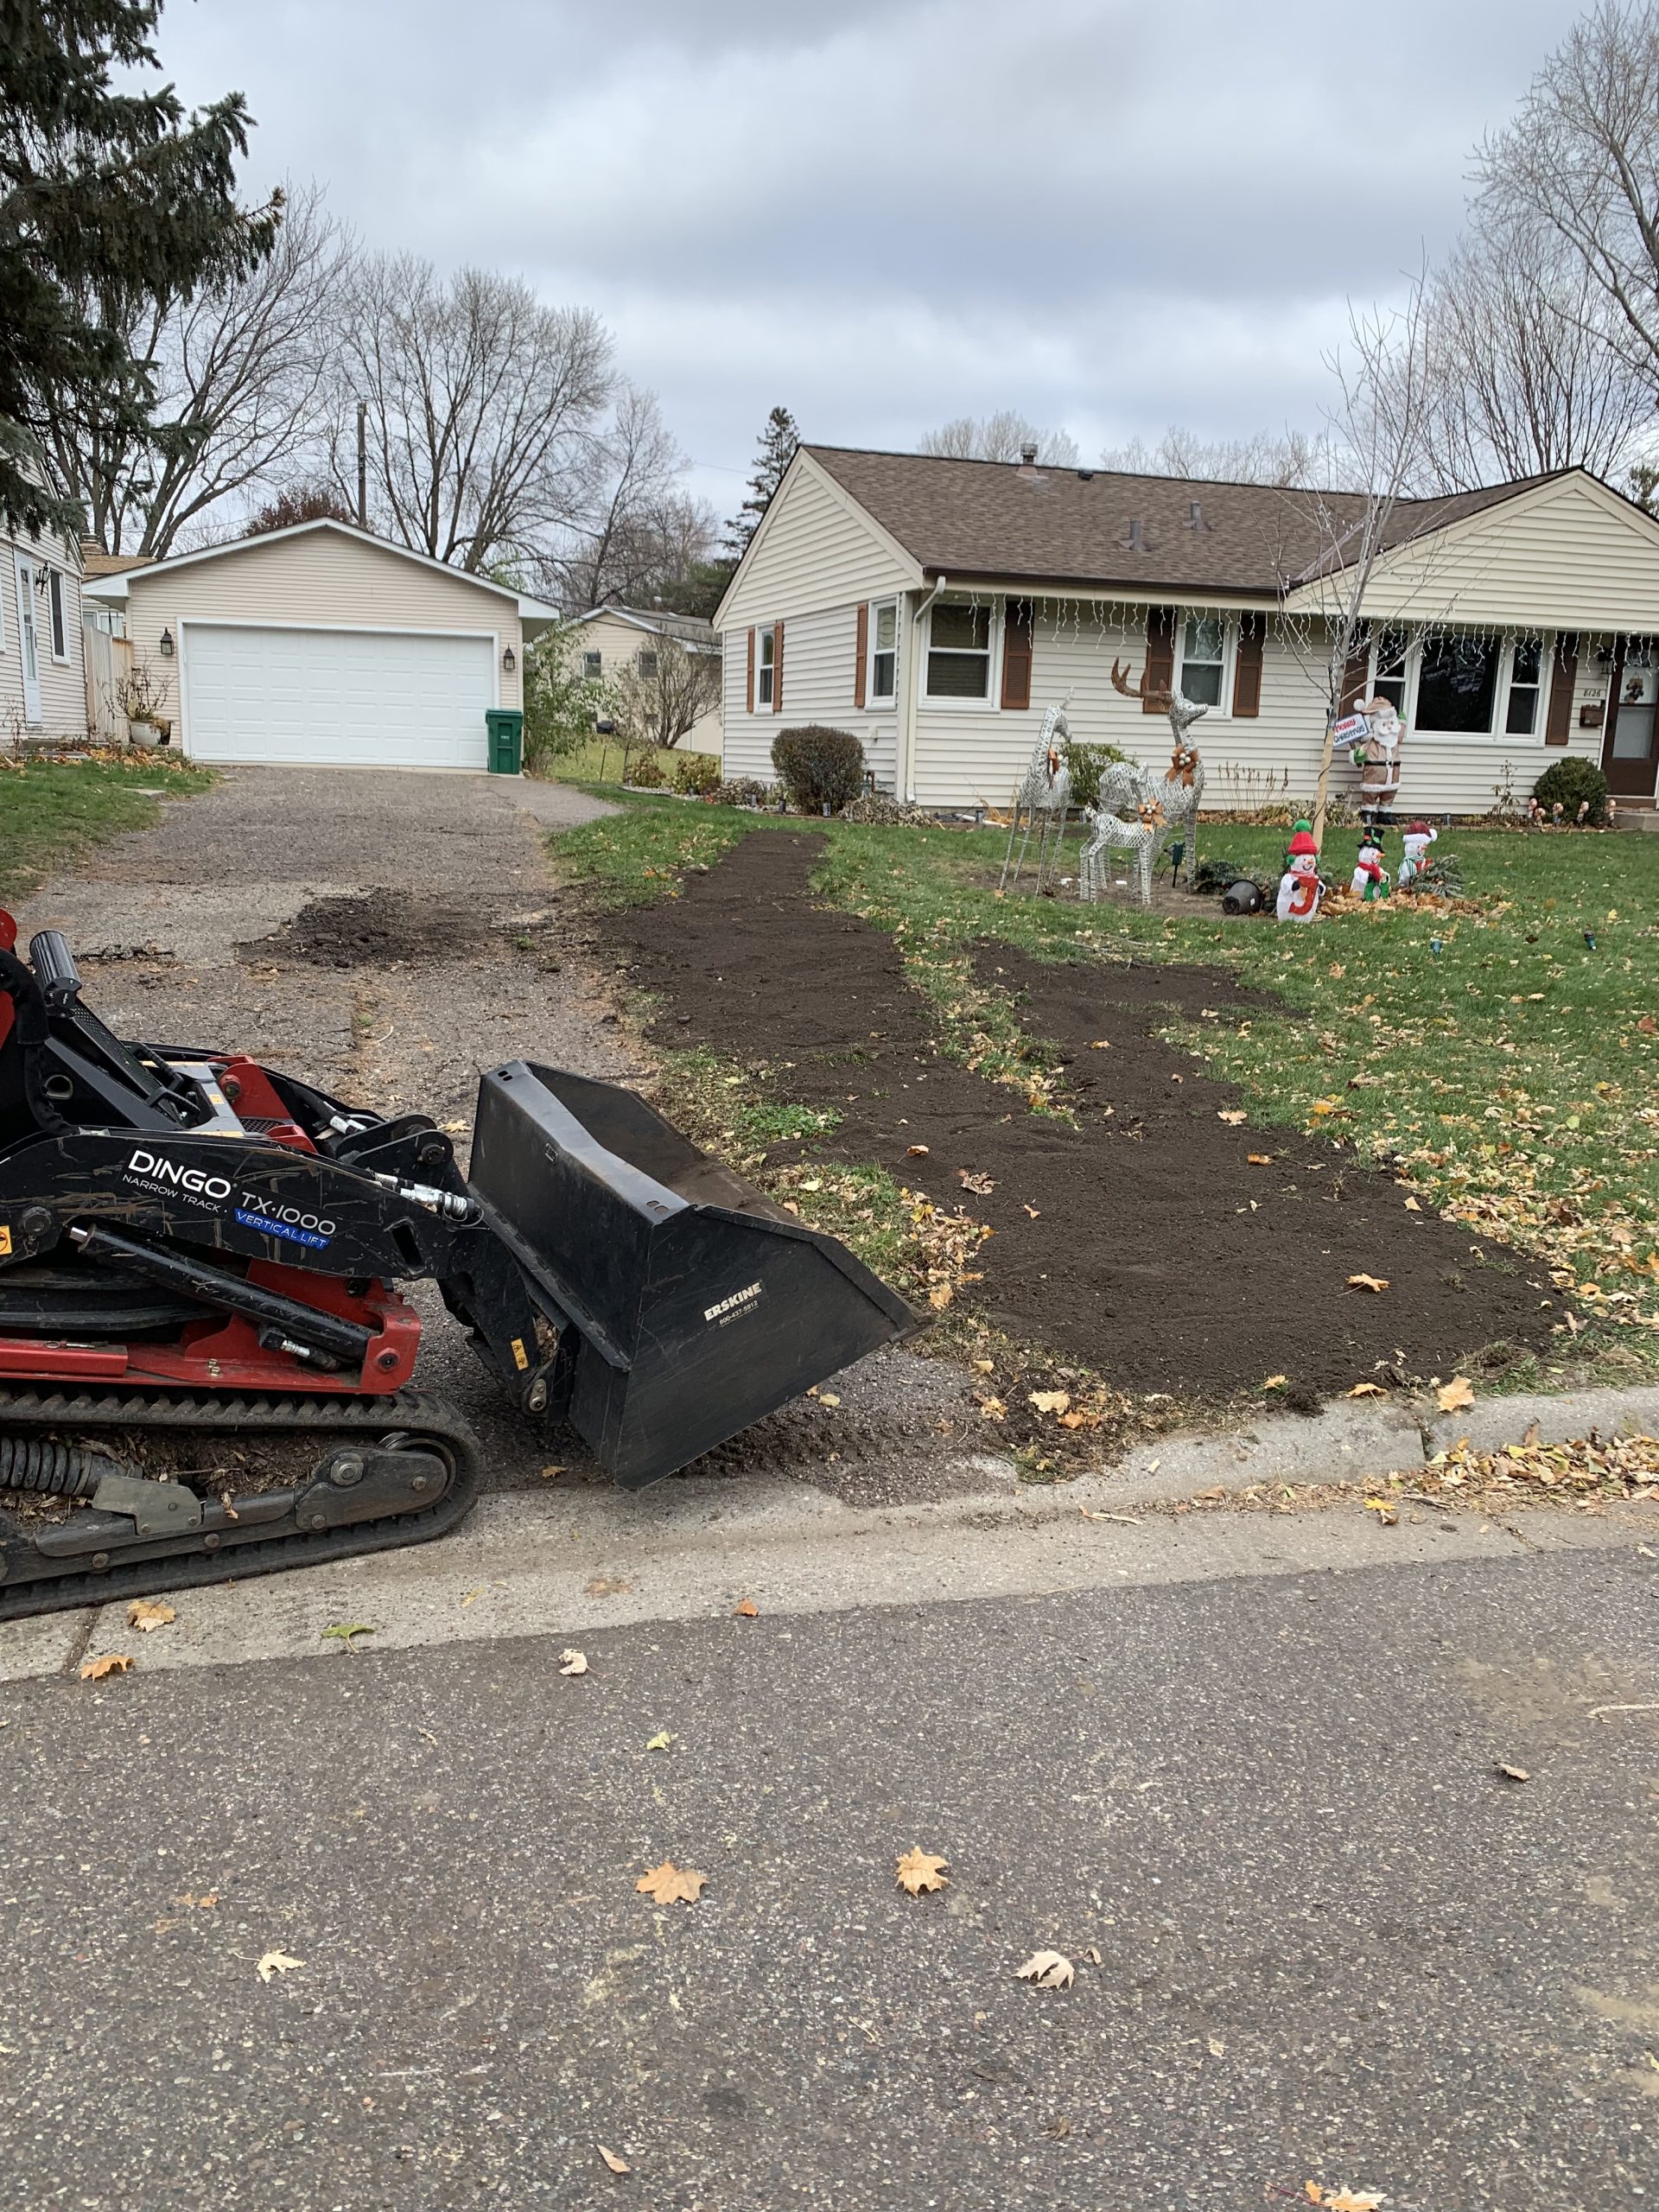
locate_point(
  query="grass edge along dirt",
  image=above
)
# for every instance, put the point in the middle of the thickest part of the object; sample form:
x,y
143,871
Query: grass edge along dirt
x,y
1494,1060
54,812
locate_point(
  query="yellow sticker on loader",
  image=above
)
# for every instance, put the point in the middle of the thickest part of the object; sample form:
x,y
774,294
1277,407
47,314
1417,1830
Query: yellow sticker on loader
x,y
5,1243
520,1354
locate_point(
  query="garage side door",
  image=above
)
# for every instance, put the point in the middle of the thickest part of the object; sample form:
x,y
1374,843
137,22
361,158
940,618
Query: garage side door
x,y
348,698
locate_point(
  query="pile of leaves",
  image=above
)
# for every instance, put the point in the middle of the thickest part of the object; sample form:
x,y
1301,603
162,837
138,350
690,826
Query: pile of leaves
x,y
1588,1466
744,791
943,1243
875,806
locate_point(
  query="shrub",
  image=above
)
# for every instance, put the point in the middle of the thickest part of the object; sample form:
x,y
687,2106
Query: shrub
x,y
1085,762
1571,781
696,773
819,767
645,773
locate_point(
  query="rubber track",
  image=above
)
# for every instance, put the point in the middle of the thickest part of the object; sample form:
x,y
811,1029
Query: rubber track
x,y
188,1567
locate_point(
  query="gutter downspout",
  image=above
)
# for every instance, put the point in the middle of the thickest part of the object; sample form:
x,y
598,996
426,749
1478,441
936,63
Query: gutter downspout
x,y
905,777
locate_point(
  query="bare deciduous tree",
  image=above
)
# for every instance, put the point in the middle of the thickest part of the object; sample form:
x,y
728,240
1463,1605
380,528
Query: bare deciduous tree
x,y
666,691
1289,457
235,368
1002,436
640,532
485,410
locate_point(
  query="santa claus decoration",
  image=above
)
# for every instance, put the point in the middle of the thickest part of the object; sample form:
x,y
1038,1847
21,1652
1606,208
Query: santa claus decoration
x,y
1300,888
1370,880
1418,839
1377,757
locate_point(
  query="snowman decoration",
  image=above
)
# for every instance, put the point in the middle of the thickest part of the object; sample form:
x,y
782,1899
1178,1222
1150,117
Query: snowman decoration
x,y
1418,839
1370,879
1300,888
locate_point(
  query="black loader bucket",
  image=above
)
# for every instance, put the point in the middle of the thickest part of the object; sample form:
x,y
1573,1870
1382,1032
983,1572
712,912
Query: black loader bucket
x,y
700,1305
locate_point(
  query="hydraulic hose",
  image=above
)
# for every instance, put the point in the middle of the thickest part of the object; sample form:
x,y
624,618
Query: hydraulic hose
x,y
54,1470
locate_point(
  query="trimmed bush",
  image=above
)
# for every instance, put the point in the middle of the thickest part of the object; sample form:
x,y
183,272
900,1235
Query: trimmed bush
x,y
819,767
697,772
1571,781
645,772
1085,762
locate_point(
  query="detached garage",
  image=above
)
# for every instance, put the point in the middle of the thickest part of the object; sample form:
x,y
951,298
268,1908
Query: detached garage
x,y
325,646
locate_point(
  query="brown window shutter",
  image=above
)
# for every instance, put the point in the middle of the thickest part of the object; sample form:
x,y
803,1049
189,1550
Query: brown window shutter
x,y
777,667
1017,630
1160,678
1355,677
1563,674
863,651
751,671
1246,669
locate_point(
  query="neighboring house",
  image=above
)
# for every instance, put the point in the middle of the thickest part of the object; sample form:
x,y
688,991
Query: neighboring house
x,y
42,661
325,645
610,638
103,640
938,606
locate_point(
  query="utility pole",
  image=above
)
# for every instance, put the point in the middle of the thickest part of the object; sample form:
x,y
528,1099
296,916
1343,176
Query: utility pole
x,y
362,464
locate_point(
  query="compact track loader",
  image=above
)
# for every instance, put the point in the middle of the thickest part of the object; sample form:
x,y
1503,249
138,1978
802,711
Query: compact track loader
x,y
193,1247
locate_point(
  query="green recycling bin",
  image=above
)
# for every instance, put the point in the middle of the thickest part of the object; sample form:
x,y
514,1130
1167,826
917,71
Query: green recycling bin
x,y
505,726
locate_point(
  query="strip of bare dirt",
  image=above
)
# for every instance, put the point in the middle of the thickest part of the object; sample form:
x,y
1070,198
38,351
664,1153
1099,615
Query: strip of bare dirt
x,y
1145,1241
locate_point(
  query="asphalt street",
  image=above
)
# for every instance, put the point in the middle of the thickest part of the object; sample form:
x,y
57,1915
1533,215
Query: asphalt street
x,y
1317,1935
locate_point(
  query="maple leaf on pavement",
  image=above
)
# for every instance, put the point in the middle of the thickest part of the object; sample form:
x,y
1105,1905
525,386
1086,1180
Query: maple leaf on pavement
x,y
671,1885
113,1662
1048,1969
572,1662
277,1962
1456,1395
148,1613
917,1871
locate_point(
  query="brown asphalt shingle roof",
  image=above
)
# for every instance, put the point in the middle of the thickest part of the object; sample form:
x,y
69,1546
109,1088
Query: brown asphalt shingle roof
x,y
966,519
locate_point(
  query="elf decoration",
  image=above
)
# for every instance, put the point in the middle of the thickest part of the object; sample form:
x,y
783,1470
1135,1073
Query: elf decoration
x,y
1418,839
1370,879
1300,888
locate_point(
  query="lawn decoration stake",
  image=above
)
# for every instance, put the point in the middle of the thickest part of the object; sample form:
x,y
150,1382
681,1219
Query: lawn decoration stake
x,y
1300,888
1142,836
1127,788
1044,793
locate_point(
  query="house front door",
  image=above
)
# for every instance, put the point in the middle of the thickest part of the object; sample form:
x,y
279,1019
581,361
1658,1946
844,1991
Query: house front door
x,y
28,642
1630,756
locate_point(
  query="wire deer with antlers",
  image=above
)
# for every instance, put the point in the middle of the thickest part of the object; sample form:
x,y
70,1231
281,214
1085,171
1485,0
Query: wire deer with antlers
x,y
1126,788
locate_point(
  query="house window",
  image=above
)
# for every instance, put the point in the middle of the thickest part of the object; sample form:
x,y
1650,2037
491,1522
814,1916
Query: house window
x,y
766,664
592,664
1457,685
884,650
648,665
1388,671
1203,659
54,601
959,652
1521,717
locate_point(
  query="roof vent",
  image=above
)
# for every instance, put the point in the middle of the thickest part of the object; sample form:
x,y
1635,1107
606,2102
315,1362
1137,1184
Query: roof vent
x,y
1028,456
1135,538
1195,516
1085,476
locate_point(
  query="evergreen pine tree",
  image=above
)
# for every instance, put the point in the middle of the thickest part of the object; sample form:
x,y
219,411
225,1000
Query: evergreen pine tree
x,y
100,189
776,450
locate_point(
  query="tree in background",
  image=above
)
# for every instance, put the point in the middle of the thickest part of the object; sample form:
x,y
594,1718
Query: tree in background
x,y
1269,457
98,189
1002,436
772,456
304,503
665,691
642,538
562,704
235,369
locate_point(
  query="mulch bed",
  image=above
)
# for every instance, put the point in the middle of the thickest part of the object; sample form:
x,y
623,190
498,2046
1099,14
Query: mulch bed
x,y
371,929
1154,1251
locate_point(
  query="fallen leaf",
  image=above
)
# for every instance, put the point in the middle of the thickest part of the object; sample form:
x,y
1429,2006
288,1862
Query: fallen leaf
x,y
992,1409
150,1613
1365,1390
1275,1381
1101,1045
1259,1159
671,1885
343,1631
940,1296
572,1662
746,1609
1412,1206
1351,2200
1646,1025
549,1473
1218,2049
816,1183
1456,1395
1035,1212
1314,2194
973,1179
1528,1442
1515,1773
1368,1282
917,1871
1233,1116
1388,1514
607,1586
277,1962
1049,1401
984,1366
113,1662
915,1152
1048,1969
472,1596
828,1398
617,2166
1075,1420
660,1741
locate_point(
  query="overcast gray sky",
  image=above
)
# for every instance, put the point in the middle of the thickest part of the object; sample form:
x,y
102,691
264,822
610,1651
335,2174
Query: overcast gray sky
x,y
1109,214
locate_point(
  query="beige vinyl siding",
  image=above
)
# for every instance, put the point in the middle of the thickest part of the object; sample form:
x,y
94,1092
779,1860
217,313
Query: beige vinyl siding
x,y
317,577
618,644
63,682
814,550
1570,555
820,670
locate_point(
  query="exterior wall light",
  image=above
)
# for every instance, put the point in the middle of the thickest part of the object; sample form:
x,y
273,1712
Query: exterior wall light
x,y
509,660
167,645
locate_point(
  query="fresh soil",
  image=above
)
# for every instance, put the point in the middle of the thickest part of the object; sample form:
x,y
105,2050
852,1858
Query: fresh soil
x,y
1144,1240
372,929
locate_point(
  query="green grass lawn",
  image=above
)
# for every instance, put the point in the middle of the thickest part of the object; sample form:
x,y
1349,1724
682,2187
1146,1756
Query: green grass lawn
x,y
52,812
599,761
1513,1076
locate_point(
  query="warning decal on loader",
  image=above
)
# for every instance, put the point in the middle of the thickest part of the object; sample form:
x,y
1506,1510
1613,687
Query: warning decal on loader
x,y
520,1356
5,1243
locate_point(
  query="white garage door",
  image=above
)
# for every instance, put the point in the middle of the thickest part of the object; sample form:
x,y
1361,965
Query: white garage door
x,y
349,698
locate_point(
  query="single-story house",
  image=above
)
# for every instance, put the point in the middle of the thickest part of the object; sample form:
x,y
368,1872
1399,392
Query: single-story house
x,y
937,606
612,639
42,660
323,644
